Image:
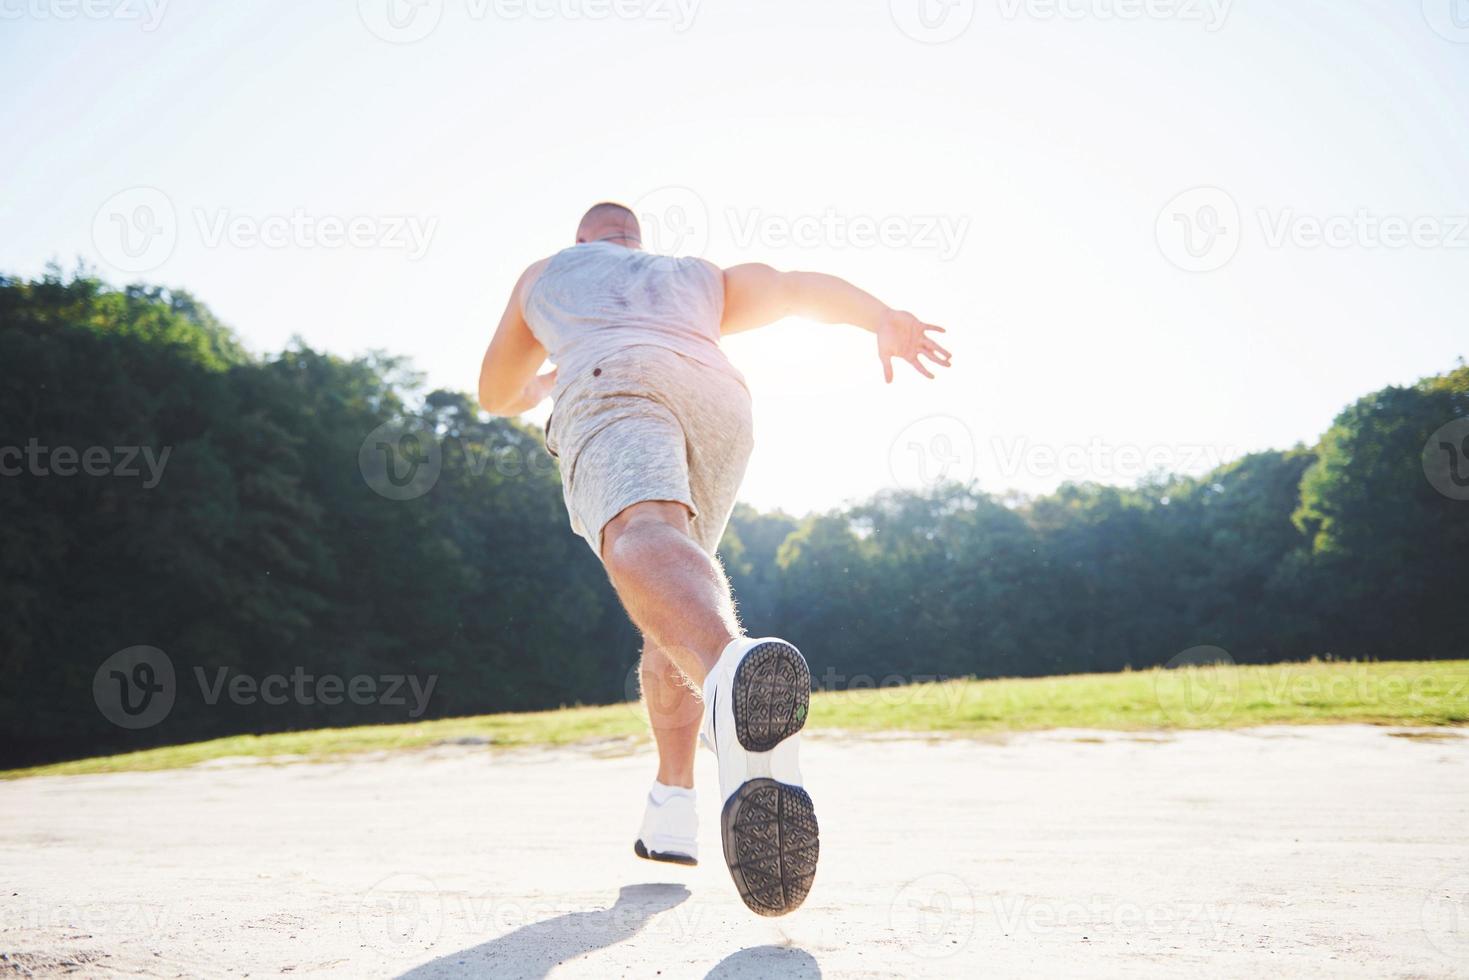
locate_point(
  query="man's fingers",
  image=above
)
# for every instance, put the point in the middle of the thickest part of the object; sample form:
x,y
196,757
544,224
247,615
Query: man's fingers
x,y
936,354
887,367
930,326
918,366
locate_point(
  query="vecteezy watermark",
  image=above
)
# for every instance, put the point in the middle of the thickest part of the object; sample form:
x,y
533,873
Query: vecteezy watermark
x,y
1098,914
672,703
135,688
405,233
1196,689
1210,13
407,21
675,221
1365,685
1201,230
37,460
401,21
1364,229
1448,18
656,686
411,909
403,458
935,915
148,14
941,233
1446,459
401,908
133,920
138,229
933,450
1102,461
300,687
1445,917
941,695
932,21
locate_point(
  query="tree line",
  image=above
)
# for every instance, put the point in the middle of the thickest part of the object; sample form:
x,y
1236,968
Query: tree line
x,y
310,541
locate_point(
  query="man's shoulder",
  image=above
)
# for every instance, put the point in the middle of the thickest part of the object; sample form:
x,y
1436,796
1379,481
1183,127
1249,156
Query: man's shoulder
x,y
529,278
533,271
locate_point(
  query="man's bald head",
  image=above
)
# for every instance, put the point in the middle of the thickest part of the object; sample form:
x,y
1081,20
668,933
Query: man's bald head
x,y
610,222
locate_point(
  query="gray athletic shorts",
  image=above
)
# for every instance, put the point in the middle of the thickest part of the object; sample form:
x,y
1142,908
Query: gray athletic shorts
x,y
646,423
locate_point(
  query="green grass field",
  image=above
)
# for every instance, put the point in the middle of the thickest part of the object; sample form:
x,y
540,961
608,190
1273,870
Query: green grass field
x,y
1417,693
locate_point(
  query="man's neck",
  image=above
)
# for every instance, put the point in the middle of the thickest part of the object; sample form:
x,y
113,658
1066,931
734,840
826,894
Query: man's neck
x,y
621,240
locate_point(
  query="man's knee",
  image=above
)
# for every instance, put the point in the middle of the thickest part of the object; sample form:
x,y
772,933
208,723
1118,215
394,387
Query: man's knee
x,y
656,664
640,527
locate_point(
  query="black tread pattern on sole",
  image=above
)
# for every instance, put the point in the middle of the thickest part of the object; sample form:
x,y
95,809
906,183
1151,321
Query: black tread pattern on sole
x,y
642,851
772,695
771,844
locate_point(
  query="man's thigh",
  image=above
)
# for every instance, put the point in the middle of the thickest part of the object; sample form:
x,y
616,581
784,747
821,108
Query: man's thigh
x,y
638,456
667,512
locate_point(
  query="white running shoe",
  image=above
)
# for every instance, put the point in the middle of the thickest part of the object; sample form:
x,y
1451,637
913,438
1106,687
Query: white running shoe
x,y
755,703
670,830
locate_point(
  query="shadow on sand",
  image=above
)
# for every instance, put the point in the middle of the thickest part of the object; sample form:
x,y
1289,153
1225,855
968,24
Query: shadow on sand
x,y
785,962
533,950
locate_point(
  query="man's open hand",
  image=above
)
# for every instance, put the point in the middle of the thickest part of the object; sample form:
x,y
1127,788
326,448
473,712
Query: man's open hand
x,y
903,335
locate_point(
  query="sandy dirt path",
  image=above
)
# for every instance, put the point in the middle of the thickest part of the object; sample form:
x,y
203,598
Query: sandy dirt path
x,y
1303,852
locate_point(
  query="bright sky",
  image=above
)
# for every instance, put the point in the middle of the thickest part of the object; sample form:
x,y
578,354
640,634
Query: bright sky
x,y
1017,183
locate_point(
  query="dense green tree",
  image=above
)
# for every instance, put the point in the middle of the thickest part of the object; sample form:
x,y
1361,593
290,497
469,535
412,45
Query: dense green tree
x,y
1386,546
306,513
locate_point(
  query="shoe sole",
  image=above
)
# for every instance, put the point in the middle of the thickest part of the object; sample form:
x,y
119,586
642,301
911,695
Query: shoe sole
x,y
665,857
770,835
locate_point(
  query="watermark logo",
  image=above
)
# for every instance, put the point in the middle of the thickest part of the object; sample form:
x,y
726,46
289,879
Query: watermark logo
x,y
656,686
408,21
940,233
136,230
302,688
401,21
147,13
1098,460
401,459
1110,915
933,450
1199,230
401,909
675,221
135,688
1446,459
935,915
1196,689
1211,13
37,460
1363,229
932,21
1448,18
407,233
1445,917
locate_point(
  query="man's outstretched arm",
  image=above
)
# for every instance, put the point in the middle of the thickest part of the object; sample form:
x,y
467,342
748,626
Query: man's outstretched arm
x,y
756,294
508,384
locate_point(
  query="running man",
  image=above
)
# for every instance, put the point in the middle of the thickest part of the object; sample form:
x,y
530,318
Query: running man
x,y
652,426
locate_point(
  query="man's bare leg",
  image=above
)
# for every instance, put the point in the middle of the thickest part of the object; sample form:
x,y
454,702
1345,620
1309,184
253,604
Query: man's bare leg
x,y
675,593
674,713
678,596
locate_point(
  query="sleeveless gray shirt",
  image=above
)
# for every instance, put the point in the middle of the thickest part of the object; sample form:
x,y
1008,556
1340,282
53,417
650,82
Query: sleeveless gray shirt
x,y
596,299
